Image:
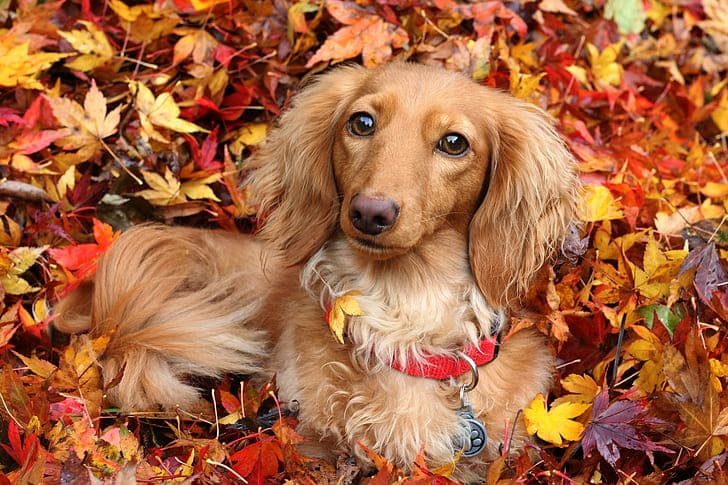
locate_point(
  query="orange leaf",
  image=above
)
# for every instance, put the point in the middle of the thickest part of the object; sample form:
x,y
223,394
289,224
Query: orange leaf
x,y
364,33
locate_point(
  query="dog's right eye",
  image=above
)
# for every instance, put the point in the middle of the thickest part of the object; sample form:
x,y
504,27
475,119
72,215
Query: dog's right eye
x,y
361,124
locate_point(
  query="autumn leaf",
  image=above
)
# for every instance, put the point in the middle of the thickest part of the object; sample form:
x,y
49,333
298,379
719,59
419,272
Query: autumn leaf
x,y
556,424
92,45
709,273
81,259
86,126
582,389
363,33
197,43
598,204
604,64
258,461
342,307
649,350
629,16
144,23
613,427
20,67
200,188
13,264
159,111
162,190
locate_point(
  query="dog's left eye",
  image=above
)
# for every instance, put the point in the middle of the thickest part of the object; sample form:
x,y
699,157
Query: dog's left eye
x,y
361,124
453,145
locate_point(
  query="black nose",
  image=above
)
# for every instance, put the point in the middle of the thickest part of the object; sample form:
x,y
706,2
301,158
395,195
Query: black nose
x,y
372,215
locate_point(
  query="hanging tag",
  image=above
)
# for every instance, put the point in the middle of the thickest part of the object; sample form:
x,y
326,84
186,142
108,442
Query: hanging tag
x,y
478,437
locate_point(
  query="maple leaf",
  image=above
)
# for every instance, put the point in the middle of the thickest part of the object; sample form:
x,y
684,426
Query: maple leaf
x,y
598,204
162,190
13,264
718,370
694,397
85,126
159,111
91,43
78,437
613,427
659,269
583,389
79,373
604,64
144,23
200,189
342,307
20,67
649,350
364,33
556,423
195,42
258,461
710,276
81,259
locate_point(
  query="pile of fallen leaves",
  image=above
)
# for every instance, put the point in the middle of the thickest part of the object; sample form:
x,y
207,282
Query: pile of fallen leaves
x,y
113,113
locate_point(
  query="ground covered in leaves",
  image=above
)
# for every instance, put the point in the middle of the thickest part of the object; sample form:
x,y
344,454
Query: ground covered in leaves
x,y
117,112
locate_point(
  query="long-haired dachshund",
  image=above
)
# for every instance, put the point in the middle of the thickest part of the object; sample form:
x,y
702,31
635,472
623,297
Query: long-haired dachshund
x,y
426,202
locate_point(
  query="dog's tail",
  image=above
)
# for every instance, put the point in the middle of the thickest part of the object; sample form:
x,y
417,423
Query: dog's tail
x,y
175,302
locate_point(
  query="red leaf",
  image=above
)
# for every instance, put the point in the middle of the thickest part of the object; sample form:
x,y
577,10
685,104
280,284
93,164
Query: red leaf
x,y
17,449
31,142
81,259
259,460
613,426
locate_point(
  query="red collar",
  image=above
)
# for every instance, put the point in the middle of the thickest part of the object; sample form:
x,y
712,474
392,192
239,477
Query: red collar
x,y
438,367
442,367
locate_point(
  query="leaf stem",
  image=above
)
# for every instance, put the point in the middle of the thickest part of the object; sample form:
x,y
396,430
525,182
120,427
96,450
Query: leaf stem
x,y
618,351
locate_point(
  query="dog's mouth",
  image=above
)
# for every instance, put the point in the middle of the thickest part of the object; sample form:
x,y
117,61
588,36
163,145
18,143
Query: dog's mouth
x,y
372,248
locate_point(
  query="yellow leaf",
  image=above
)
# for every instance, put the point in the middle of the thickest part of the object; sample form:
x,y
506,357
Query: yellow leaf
x,y
160,111
343,306
582,389
87,125
199,188
556,423
604,65
14,264
718,370
37,366
252,134
524,85
92,44
598,204
715,190
648,349
162,190
579,73
205,4
67,181
21,68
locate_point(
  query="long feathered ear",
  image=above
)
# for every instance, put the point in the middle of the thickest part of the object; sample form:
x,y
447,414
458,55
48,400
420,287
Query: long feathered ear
x,y
529,205
293,182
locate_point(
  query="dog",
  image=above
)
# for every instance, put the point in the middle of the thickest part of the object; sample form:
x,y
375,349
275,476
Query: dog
x,y
428,200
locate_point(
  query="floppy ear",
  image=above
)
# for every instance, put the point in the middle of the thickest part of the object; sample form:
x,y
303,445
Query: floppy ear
x,y
293,183
529,205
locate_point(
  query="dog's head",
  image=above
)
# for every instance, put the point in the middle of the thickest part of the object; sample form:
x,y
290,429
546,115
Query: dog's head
x,y
393,155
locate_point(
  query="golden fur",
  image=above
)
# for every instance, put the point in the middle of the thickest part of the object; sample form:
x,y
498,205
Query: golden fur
x,y
471,231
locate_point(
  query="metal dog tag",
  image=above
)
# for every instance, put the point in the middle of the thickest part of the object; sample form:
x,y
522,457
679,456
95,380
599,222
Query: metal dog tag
x,y
478,437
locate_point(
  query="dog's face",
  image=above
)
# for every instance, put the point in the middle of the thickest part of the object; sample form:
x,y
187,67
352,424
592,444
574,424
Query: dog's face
x,y
392,155
409,156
